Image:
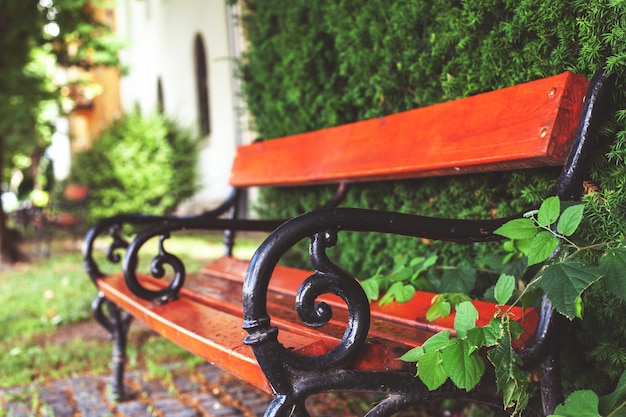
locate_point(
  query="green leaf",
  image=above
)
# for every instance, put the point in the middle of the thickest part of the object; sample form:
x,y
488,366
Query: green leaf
x,y
397,292
461,280
463,364
579,404
493,331
476,337
403,293
431,371
510,380
515,329
440,308
412,355
504,288
570,220
549,211
371,288
423,263
613,264
466,316
437,341
387,298
416,261
401,274
564,282
517,229
609,401
542,247
504,359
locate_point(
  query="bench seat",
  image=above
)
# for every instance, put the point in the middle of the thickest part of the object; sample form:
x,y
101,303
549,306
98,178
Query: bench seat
x,y
206,319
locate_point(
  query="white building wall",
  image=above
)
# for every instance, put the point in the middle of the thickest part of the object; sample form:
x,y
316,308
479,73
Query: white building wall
x,y
161,35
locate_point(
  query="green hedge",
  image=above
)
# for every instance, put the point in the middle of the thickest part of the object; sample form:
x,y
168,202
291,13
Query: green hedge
x,y
315,64
139,164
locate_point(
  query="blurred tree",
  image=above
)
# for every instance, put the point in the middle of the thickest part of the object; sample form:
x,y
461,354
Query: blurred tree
x,y
34,34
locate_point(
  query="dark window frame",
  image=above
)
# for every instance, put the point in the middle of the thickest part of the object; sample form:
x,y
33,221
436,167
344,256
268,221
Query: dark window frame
x,y
202,86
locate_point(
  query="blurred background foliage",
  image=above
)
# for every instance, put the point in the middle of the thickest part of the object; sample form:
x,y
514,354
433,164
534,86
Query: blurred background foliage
x,y
35,38
140,164
39,40
312,65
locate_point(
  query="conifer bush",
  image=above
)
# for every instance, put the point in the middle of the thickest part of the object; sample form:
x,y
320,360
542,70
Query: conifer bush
x,y
141,164
312,65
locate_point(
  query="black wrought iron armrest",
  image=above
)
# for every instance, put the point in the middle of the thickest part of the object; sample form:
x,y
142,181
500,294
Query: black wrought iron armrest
x,y
163,258
112,226
322,227
123,248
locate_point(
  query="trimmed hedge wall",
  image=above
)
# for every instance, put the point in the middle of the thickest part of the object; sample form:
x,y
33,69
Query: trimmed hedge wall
x,y
315,64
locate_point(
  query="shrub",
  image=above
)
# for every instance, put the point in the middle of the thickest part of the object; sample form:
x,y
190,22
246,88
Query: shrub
x,y
139,164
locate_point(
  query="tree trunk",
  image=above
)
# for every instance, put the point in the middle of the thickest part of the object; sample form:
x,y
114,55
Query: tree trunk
x,y
10,252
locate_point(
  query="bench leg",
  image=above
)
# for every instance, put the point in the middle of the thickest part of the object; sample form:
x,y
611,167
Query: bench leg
x,y
117,323
551,390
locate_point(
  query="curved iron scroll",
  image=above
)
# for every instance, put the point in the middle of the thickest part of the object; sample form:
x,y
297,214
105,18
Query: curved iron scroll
x,y
158,226
164,258
293,376
114,227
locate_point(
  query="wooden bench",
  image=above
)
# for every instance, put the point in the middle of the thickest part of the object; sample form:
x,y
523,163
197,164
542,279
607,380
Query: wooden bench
x,y
352,346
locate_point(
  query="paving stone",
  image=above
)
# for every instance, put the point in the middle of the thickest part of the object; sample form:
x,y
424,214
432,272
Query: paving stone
x,y
210,373
18,410
225,412
133,409
57,404
96,412
185,384
184,413
172,406
214,408
207,401
154,390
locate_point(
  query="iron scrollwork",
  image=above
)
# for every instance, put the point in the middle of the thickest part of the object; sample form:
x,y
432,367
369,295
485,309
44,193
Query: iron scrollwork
x,y
157,265
328,278
113,227
294,377
126,250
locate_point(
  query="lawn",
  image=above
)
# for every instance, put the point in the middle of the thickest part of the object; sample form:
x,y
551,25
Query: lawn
x,y
45,311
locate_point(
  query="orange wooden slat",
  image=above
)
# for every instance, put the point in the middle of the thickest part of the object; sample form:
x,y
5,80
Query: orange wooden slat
x,y
412,314
212,329
213,335
524,126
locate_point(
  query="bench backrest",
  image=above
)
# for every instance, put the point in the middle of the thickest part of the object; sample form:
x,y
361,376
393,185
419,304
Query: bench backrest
x,y
524,126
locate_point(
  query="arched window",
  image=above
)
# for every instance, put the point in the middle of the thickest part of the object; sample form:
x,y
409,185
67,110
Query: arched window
x,y
160,98
202,86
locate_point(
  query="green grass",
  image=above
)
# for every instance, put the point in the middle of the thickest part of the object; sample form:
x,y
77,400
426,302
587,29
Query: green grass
x,y
42,298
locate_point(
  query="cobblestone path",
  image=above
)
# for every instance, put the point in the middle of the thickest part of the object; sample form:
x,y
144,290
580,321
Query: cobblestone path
x,y
177,392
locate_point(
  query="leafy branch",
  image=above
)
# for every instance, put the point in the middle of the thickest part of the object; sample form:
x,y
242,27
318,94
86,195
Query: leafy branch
x,y
400,285
458,358
544,236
